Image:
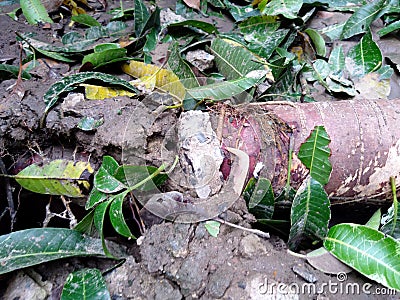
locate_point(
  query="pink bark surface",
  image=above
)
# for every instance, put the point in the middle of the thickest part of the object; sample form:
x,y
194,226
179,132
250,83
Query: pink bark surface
x,y
365,143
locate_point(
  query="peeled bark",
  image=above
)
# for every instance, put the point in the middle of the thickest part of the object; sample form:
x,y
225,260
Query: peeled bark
x,y
365,149
365,143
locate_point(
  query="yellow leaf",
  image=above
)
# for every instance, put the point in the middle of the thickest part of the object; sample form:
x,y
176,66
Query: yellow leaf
x,y
96,92
165,80
298,51
150,82
75,9
255,2
371,87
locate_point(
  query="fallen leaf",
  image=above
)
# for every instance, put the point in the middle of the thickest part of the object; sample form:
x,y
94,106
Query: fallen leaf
x,y
97,92
193,3
165,79
371,87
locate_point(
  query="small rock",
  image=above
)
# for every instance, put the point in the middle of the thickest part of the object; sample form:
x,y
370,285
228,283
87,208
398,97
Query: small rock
x,y
305,274
22,286
219,282
71,101
200,59
251,245
165,291
167,16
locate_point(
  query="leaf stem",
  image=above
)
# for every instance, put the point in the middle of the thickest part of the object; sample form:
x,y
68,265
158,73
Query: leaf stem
x,y
291,145
179,105
122,7
154,174
173,165
395,204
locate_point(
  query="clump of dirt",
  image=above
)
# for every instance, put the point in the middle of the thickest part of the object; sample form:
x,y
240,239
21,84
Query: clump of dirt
x,y
182,261
174,260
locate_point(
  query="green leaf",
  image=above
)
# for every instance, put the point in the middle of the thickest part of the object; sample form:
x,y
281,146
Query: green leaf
x,y
106,46
85,19
98,220
151,41
96,32
8,2
318,41
222,90
212,227
310,213
259,24
132,175
95,197
87,284
385,72
117,217
265,43
86,225
89,123
58,177
338,5
75,43
320,70
333,31
153,22
115,28
104,179
360,21
204,26
34,11
216,3
336,59
367,250
69,83
261,203
285,85
105,57
339,84
314,154
390,28
233,60
31,247
141,16
6,70
181,68
121,12
287,8
54,55
375,220
364,57
281,63
391,221
240,13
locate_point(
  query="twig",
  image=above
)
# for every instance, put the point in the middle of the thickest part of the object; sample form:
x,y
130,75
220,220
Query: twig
x,y
139,222
221,124
9,195
18,87
66,214
255,231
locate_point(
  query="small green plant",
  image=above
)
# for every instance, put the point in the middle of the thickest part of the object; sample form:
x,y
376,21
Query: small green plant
x,y
112,183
